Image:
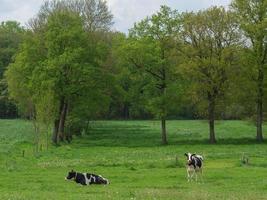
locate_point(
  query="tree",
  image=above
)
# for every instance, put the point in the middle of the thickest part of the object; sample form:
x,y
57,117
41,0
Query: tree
x,y
19,81
127,99
59,65
150,51
211,38
57,68
11,34
252,17
65,41
95,13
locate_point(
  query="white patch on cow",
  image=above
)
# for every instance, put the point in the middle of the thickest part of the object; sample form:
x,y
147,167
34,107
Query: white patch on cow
x,y
87,181
189,156
93,179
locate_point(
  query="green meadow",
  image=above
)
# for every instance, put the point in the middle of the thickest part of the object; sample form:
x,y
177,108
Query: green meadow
x,y
130,155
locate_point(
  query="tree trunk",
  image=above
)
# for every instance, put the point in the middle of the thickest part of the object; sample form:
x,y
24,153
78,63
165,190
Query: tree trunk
x,y
211,119
260,104
47,139
163,131
62,120
37,136
126,112
87,126
55,135
163,94
55,132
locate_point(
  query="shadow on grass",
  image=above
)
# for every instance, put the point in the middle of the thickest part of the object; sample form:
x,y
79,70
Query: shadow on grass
x,y
225,141
126,136
117,135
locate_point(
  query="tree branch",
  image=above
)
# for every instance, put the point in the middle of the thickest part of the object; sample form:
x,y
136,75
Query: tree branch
x,y
147,70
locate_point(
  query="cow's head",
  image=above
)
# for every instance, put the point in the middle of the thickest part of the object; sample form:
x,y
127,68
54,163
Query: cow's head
x,y
189,157
71,175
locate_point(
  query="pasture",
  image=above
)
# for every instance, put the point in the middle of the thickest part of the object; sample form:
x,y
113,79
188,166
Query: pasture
x,y
130,155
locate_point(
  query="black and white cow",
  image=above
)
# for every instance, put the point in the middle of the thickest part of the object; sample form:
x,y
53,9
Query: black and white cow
x,y
86,178
193,166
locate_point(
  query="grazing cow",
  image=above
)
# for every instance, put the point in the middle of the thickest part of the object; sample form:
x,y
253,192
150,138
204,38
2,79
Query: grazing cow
x,y
86,178
193,166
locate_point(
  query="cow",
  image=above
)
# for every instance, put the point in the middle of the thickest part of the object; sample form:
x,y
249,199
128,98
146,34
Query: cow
x,y
86,178
194,166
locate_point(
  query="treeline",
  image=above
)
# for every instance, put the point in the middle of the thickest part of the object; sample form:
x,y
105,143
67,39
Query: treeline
x,y
68,67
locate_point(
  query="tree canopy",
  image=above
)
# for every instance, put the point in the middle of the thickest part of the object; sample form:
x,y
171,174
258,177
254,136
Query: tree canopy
x,y
68,67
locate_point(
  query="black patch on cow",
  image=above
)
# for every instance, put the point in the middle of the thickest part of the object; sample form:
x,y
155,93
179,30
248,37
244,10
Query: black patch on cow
x,y
195,161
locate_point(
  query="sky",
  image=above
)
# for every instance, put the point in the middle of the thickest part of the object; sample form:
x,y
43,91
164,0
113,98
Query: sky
x,y
125,12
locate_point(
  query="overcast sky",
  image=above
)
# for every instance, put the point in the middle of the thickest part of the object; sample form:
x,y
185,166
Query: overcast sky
x,y
125,12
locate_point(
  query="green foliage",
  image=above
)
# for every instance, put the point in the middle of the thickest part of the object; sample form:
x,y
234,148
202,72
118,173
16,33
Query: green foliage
x,y
19,72
58,64
70,68
211,43
252,18
10,37
150,51
95,14
11,34
211,49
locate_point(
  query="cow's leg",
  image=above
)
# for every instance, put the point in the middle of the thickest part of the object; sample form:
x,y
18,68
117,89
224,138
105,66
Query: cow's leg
x,y
189,175
192,172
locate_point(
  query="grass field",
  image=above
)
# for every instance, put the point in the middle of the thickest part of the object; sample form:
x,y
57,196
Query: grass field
x,y
129,154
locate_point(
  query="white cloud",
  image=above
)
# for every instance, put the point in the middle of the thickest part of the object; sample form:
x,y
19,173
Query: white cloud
x,y
19,10
125,12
